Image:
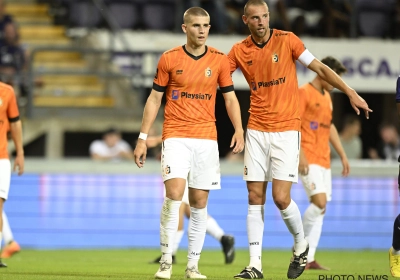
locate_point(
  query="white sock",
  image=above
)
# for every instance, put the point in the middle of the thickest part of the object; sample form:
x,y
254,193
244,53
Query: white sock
x,y
312,222
255,232
168,227
214,229
196,235
292,218
7,233
177,241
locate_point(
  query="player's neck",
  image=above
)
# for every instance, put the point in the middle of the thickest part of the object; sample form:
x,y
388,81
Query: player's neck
x,y
195,50
316,83
262,40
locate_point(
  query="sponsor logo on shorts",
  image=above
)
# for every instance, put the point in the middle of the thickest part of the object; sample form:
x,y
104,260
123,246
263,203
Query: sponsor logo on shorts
x,y
245,170
291,175
214,183
175,94
167,170
312,186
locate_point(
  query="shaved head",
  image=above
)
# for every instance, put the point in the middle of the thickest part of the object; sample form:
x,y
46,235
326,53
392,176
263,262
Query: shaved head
x,y
194,11
253,3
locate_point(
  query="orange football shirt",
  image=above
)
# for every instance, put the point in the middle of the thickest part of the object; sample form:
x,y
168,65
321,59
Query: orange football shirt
x,y
8,113
316,120
270,71
190,84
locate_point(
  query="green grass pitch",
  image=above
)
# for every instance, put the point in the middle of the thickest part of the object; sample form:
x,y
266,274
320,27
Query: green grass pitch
x,y
133,264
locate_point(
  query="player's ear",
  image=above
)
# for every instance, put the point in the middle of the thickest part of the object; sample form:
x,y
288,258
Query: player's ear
x,y
244,18
184,28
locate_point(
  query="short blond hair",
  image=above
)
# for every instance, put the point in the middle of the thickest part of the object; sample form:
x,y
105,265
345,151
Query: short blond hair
x,y
194,11
253,3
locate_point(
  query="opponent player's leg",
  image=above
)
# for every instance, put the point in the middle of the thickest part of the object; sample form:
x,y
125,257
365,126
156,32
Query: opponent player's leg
x,y
317,184
394,251
10,245
5,177
284,161
257,151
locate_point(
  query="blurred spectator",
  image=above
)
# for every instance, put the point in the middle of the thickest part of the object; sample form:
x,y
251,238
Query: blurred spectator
x,y
375,18
4,19
12,56
111,147
350,138
389,147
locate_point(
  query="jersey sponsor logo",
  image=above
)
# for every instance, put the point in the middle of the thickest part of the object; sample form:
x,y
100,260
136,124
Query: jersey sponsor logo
x,y
249,63
275,58
314,125
201,96
175,94
253,85
207,72
271,83
179,72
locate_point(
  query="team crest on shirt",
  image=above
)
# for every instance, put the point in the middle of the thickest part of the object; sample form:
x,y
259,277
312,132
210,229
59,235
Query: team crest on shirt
x,y
208,72
275,58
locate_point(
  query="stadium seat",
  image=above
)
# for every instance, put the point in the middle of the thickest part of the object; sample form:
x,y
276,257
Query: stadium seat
x,y
84,14
125,13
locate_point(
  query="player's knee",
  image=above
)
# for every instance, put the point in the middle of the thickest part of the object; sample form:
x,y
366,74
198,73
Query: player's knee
x,y
281,201
256,198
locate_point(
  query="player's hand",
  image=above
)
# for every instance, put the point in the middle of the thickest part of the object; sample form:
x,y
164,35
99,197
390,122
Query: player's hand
x,y
357,101
303,166
19,164
237,142
140,152
346,167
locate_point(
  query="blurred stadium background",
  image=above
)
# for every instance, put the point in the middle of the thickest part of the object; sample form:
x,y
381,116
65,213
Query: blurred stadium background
x,y
90,65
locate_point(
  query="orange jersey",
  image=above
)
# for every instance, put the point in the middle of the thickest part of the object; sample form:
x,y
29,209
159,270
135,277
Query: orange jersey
x,y
270,71
8,113
190,84
316,119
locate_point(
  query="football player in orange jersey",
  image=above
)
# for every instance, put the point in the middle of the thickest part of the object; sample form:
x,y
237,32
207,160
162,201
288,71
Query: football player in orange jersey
x,y
317,131
267,60
189,76
9,120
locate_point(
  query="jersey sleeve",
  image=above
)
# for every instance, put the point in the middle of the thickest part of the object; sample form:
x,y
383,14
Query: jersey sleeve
x,y
303,96
296,45
224,78
12,110
232,60
161,78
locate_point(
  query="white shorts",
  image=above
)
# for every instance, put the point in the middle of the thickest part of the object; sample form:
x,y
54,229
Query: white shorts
x,y
318,180
5,178
271,155
196,160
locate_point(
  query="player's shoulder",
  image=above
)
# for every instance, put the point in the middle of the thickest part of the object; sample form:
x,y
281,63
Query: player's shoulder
x,y
172,51
306,88
215,52
6,88
246,42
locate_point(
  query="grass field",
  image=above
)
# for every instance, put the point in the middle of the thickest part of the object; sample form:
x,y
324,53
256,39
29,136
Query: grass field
x,y
133,264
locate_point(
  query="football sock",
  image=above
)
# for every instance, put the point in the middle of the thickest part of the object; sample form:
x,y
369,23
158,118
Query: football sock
x,y
7,233
312,223
196,234
177,241
214,229
255,231
168,227
292,218
396,236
